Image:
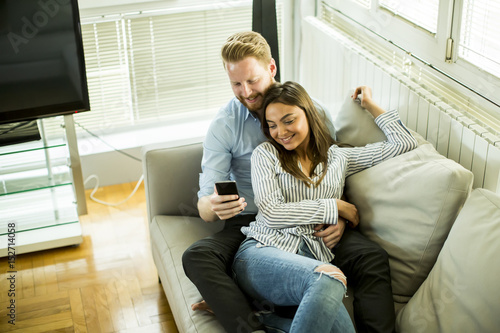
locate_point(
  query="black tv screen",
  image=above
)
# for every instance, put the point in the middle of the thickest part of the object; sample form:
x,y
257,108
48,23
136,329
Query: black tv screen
x,y
42,66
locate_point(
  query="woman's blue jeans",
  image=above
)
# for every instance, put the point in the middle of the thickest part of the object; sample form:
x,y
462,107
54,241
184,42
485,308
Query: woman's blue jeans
x,y
275,277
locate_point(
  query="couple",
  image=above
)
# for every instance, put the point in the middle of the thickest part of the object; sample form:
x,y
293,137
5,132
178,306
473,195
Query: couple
x,y
297,248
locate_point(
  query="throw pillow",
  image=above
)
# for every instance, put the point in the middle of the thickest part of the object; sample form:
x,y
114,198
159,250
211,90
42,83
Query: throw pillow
x,y
461,293
355,126
407,205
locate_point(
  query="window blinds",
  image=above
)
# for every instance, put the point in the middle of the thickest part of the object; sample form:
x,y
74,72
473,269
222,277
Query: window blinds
x,y
364,3
142,69
147,68
420,12
479,42
107,75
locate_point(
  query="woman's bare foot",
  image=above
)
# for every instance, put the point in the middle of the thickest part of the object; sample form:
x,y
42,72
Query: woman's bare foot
x,y
201,306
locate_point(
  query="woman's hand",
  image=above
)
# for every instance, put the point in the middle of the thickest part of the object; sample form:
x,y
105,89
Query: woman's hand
x,y
348,211
367,101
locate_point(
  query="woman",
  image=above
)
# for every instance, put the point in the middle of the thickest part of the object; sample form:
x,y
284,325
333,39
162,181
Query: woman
x,y
298,179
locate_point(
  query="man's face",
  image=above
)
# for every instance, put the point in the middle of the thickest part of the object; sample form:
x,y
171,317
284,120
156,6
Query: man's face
x,y
250,80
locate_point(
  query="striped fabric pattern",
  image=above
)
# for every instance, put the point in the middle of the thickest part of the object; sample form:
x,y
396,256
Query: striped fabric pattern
x,y
288,210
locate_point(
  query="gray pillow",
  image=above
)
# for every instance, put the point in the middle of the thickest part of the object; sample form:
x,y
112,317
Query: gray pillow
x,y
408,204
461,293
355,125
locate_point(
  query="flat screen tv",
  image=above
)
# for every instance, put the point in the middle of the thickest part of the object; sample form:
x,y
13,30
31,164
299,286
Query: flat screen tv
x,y
42,66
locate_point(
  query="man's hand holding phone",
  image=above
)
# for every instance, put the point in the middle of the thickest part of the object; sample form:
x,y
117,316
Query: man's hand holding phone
x,y
226,201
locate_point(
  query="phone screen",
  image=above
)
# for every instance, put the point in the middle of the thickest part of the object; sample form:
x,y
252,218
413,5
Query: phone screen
x,y
227,187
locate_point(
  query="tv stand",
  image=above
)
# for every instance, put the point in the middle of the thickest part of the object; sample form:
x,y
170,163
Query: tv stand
x,y
75,164
41,190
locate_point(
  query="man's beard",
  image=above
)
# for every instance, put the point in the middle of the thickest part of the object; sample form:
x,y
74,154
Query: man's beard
x,y
253,107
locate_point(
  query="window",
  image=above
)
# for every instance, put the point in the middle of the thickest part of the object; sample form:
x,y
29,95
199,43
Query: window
x,y
107,75
363,3
479,41
456,39
149,68
159,66
420,12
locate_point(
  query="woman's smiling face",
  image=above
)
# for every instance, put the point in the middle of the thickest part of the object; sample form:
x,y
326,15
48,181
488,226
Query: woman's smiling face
x,y
288,126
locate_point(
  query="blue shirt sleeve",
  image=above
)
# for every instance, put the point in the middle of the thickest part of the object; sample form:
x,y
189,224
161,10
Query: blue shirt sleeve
x,y
216,162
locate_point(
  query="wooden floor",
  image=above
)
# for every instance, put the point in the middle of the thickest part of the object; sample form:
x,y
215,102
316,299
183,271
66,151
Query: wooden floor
x,y
108,283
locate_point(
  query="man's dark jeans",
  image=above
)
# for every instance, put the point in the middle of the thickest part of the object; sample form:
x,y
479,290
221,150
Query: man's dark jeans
x,y
366,266
207,263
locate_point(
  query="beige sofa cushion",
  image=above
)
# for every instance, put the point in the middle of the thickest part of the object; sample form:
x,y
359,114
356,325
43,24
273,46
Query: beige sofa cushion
x,y
461,293
407,205
170,237
355,125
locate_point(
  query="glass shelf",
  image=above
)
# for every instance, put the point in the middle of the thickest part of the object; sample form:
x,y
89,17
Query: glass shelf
x,y
39,209
26,149
31,146
11,162
33,180
34,169
23,187
37,193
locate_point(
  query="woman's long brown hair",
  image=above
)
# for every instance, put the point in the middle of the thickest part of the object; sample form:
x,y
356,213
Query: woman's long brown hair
x,y
291,93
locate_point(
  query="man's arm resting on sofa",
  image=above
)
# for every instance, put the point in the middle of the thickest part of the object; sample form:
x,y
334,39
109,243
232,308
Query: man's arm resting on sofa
x,y
216,207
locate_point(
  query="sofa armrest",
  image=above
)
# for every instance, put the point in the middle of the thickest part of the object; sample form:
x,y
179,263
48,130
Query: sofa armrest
x,y
171,179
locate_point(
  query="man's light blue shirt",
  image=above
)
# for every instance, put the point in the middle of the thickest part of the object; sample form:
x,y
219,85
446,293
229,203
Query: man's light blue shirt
x,y
227,150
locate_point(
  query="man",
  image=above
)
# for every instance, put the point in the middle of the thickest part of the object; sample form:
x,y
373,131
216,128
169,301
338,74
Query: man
x,y
228,146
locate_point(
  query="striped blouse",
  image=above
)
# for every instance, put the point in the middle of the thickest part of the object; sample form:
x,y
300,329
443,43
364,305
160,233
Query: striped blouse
x,y
288,210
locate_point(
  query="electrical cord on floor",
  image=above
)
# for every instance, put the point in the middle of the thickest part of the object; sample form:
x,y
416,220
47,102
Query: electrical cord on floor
x,y
96,187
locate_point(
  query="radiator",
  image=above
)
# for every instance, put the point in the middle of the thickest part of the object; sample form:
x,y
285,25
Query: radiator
x,y
331,64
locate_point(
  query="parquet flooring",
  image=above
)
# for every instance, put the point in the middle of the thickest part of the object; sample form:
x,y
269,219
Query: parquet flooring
x,y
108,283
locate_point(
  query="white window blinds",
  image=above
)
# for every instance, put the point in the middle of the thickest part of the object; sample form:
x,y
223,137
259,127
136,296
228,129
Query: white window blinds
x,y
479,36
107,76
421,13
145,69
363,3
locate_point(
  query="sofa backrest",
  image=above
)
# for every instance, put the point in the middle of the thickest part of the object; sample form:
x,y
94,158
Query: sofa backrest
x,y
171,179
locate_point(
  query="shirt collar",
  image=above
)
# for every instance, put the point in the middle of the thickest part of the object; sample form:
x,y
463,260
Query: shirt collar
x,y
248,113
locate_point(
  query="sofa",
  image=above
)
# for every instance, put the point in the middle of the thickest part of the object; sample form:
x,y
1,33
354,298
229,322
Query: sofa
x,y
442,237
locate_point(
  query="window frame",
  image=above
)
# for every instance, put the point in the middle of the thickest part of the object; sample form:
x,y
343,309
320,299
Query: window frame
x,y
467,71
429,47
395,28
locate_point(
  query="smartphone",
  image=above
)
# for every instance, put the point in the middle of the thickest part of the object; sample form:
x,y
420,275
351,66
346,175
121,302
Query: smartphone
x,y
227,187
